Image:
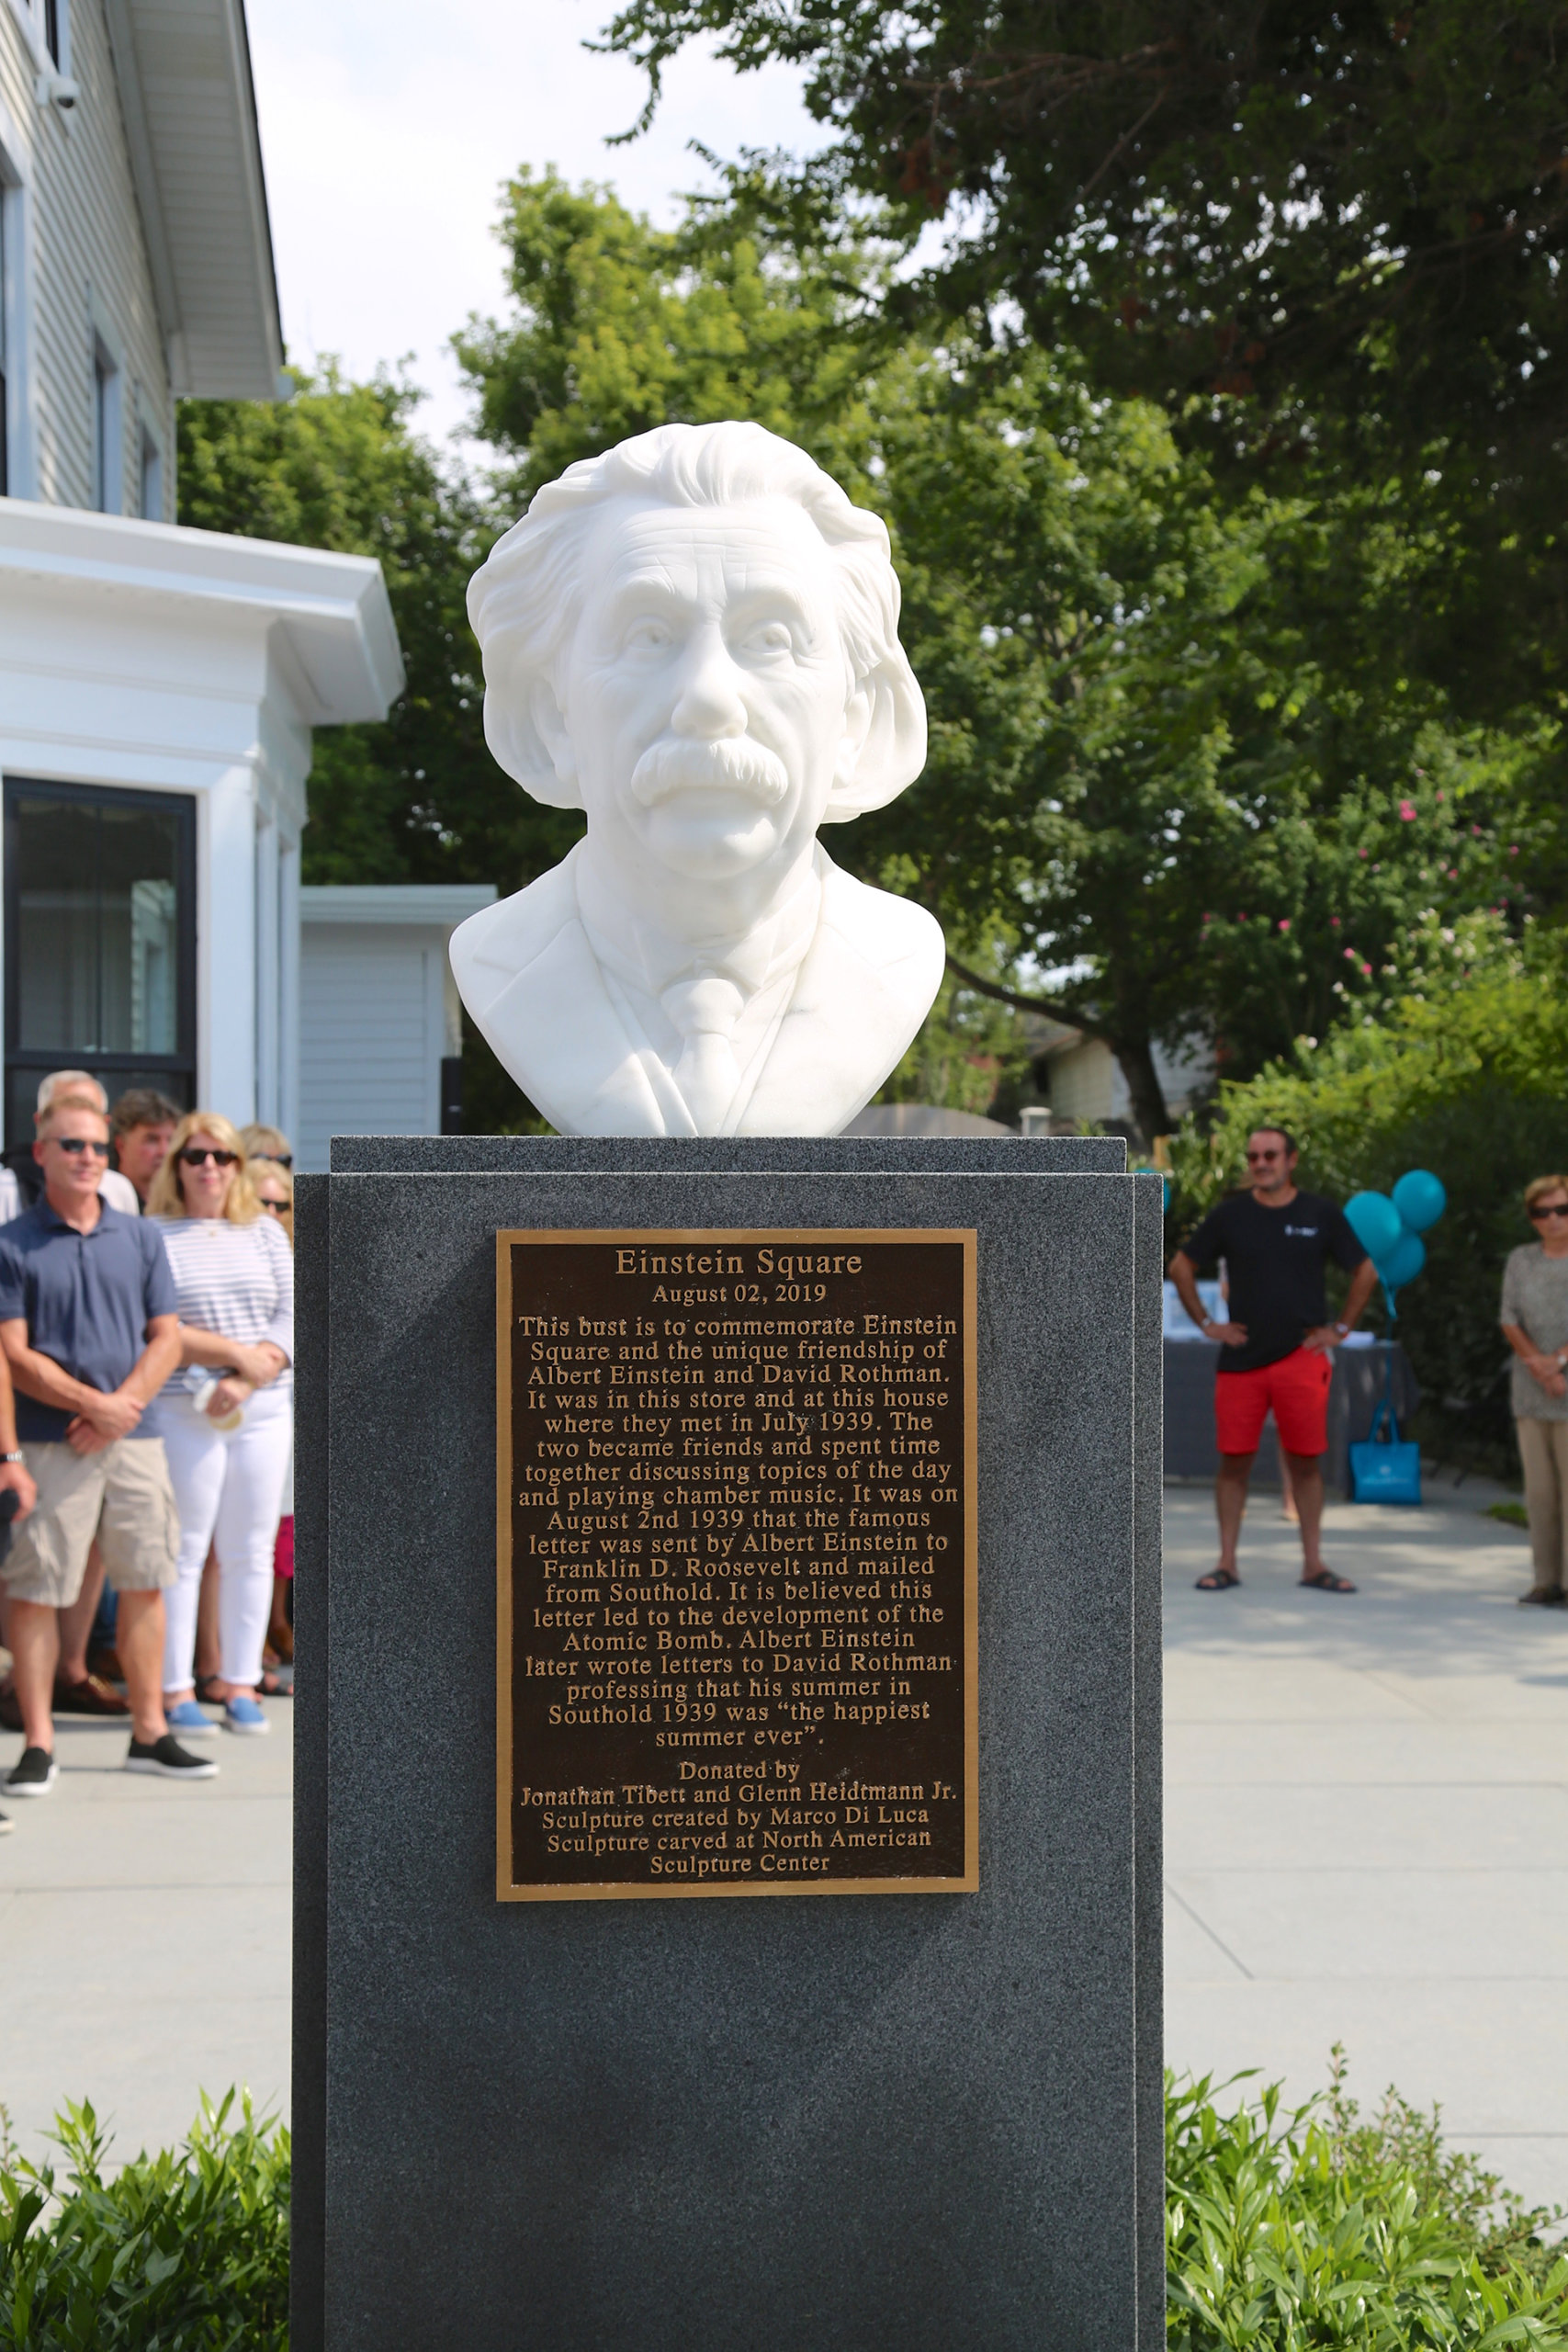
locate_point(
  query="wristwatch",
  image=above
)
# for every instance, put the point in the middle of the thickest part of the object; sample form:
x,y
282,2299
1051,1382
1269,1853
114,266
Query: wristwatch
x,y
13,1457
1343,1329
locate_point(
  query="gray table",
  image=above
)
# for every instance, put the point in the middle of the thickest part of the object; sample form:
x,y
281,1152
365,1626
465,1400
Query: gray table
x,y
1360,1376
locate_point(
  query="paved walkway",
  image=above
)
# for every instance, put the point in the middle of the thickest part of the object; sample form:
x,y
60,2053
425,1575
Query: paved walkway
x,y
1366,1806
145,1934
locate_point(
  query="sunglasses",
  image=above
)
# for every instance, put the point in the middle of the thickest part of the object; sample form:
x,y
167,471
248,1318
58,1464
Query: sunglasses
x,y
278,1208
190,1158
77,1144
1259,1158
1539,1216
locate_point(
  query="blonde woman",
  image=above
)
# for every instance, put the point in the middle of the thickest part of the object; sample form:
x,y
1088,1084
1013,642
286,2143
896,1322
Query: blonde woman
x,y
268,1143
1535,1324
274,1188
225,1420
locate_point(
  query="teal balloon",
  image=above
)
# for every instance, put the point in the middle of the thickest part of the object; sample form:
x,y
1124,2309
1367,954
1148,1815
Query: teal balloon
x,y
1403,1262
1375,1222
1420,1199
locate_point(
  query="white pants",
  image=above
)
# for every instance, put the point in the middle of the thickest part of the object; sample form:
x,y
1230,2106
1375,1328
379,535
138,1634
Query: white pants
x,y
229,1486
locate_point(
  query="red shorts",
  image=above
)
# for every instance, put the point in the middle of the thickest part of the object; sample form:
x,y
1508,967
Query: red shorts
x,y
1297,1389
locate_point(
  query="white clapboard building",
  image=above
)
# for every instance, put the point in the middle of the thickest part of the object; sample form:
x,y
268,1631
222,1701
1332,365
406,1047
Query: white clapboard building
x,y
380,1029
159,686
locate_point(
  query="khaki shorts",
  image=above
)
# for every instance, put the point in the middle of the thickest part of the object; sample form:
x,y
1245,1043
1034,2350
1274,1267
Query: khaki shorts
x,y
122,1496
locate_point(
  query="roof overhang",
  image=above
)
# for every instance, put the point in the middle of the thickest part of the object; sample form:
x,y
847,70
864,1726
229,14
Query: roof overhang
x,y
331,612
441,905
184,72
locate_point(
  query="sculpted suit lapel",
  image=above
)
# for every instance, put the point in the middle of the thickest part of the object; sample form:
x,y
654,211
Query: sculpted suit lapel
x,y
824,1068
524,968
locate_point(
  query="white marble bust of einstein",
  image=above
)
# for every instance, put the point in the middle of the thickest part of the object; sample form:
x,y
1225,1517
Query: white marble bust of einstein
x,y
694,639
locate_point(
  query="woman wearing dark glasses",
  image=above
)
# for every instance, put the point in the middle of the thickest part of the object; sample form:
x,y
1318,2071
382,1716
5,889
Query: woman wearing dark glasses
x,y
1535,1324
227,1418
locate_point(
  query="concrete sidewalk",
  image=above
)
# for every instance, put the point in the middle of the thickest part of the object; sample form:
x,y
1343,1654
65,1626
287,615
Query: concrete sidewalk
x,y
145,1930
1365,1812
1366,1804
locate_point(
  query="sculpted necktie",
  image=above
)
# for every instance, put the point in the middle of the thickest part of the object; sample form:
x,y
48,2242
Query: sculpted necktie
x,y
705,1011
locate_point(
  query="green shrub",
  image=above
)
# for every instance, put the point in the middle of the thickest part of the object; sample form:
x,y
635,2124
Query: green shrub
x,y
1472,1085
1285,2231
1485,1144
184,2252
1293,2229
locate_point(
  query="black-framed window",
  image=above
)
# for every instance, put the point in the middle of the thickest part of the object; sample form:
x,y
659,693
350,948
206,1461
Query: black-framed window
x,y
101,941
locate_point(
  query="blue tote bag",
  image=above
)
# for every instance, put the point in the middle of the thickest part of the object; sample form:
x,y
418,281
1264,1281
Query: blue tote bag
x,y
1385,1469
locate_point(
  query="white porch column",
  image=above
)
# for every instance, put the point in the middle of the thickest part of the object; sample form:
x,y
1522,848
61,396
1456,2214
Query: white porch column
x,y
288,988
269,970
226,950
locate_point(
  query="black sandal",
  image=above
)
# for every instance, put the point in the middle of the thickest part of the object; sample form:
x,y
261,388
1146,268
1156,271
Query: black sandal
x,y
1326,1581
1217,1580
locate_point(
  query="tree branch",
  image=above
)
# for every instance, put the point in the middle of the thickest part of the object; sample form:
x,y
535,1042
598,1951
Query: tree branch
x,y
1052,1006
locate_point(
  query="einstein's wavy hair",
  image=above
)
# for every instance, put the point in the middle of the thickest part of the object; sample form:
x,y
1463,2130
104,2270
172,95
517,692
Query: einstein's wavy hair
x,y
524,600
165,1197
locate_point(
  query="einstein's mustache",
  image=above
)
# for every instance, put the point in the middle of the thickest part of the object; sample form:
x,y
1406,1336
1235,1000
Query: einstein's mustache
x,y
734,764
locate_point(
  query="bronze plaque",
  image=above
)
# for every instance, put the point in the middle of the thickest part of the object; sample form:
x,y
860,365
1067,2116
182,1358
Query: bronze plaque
x,y
737,1563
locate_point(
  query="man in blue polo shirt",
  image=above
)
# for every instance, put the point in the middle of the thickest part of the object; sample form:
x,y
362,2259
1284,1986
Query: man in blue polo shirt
x,y
89,1327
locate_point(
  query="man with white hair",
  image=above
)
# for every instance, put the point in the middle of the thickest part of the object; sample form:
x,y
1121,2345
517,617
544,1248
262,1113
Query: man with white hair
x,y
21,1186
694,638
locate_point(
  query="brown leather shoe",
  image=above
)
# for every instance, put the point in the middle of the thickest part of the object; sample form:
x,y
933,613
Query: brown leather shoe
x,y
106,1664
11,1708
91,1696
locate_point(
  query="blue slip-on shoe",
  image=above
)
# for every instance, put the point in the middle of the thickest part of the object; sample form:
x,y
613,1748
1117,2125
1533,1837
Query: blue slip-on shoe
x,y
243,1714
189,1721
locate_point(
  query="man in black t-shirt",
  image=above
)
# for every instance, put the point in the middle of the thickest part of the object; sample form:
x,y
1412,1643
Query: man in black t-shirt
x,y
1276,1352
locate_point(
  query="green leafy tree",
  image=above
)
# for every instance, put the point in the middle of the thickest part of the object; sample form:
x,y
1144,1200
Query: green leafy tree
x,y
757,305
972,1053
1295,222
1157,716
1169,762
416,798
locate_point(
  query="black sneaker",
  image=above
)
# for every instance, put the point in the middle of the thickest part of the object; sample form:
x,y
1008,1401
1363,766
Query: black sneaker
x,y
167,1757
32,1775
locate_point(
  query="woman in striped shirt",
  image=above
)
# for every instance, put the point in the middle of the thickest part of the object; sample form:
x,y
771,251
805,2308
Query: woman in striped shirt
x,y
226,1418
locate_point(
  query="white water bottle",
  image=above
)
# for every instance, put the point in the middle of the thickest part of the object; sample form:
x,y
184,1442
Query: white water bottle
x,y
202,1393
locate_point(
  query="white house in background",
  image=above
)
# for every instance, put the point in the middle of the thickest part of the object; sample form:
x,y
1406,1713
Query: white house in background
x,y
381,1036
158,686
1087,1086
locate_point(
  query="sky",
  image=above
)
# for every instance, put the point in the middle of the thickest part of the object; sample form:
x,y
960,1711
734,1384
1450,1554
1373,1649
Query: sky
x,y
388,128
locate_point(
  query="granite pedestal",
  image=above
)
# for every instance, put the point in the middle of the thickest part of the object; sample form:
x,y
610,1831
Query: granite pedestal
x,y
911,2120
